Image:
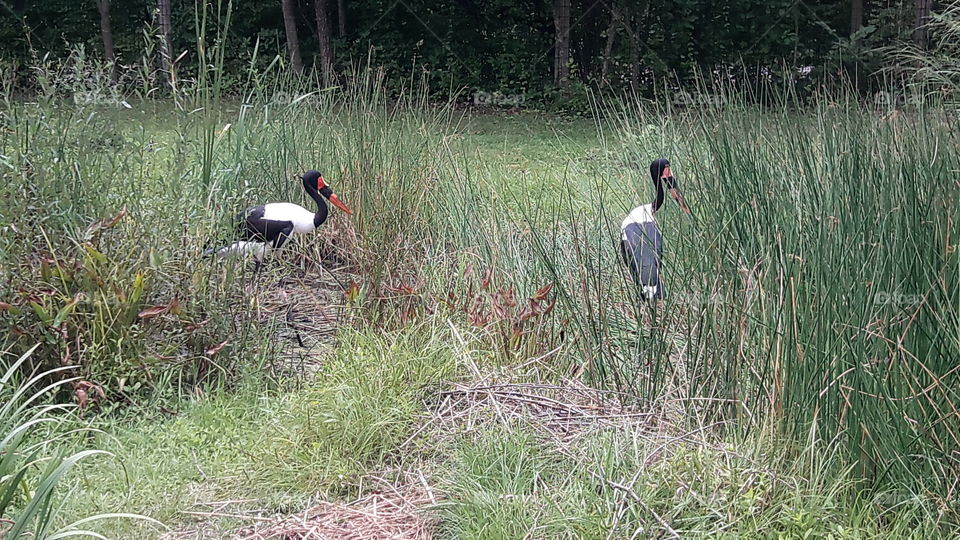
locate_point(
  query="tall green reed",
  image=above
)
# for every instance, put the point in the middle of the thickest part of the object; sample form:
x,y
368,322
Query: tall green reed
x,y
813,291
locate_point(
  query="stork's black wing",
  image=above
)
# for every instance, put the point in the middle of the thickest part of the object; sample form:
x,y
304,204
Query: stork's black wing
x,y
253,227
642,250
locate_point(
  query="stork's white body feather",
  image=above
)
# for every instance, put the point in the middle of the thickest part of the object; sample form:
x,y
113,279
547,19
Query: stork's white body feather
x,y
301,218
639,215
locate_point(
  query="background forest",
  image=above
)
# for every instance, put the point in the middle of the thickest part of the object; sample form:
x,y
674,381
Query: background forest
x,y
537,49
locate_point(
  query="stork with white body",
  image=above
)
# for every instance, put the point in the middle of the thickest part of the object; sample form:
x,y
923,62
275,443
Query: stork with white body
x,y
263,228
641,243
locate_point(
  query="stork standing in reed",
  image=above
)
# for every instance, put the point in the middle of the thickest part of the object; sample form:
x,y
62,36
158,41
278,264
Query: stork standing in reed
x,y
641,242
263,228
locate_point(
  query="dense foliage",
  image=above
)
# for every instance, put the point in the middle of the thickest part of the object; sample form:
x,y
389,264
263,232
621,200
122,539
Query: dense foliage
x,y
504,46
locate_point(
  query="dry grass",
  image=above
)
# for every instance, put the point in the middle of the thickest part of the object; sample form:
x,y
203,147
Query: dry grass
x,y
564,412
396,513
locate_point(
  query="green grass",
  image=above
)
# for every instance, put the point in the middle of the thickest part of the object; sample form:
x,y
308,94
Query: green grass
x,y
277,448
774,327
279,451
505,483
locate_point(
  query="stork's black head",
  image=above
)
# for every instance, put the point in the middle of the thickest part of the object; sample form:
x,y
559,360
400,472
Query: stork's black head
x,y
659,168
313,181
660,173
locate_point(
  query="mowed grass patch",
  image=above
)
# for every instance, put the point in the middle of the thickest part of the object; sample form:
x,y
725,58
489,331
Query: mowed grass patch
x,y
529,142
525,160
273,451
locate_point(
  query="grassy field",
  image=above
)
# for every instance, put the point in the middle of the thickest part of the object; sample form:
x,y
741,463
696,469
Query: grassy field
x,y
491,359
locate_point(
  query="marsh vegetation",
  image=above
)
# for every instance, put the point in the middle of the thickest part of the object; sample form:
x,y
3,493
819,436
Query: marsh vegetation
x,y
472,339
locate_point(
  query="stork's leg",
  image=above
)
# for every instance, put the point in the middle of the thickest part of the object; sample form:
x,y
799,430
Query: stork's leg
x,y
282,238
259,255
273,243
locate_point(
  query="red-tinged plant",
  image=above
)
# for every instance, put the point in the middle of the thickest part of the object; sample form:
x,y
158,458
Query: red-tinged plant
x,y
520,326
88,307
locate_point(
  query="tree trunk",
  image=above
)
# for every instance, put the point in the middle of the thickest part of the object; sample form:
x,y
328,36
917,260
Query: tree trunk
x,y
561,44
611,38
342,17
293,41
922,8
326,45
166,44
634,54
106,33
856,16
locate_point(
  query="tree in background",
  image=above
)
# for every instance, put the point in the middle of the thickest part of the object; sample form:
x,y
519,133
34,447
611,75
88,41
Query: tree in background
x,y
106,34
856,16
633,22
616,22
326,42
920,33
165,26
561,44
526,47
290,29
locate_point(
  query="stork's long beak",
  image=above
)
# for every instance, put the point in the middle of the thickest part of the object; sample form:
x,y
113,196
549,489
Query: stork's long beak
x,y
321,183
339,204
677,196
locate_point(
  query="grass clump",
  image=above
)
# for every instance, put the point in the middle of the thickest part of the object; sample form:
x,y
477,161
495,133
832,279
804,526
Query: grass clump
x,y
509,483
362,407
33,465
504,483
273,449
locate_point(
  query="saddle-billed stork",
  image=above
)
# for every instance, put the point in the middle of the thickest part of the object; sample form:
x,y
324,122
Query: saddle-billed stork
x,y
641,243
269,226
